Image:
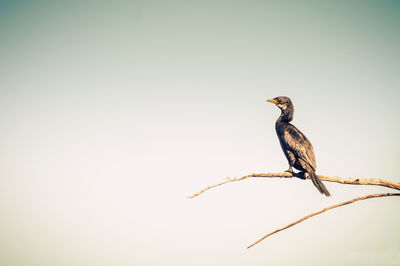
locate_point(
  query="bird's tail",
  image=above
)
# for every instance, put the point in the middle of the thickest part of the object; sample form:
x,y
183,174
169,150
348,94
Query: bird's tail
x,y
318,184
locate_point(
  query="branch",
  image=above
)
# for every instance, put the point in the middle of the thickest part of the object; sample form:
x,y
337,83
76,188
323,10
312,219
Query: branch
x,y
352,181
324,210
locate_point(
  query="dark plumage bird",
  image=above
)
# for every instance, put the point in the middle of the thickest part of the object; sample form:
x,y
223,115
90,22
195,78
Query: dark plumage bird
x,y
297,148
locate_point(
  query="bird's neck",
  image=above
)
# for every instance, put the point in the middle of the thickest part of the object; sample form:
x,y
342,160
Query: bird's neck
x,y
286,116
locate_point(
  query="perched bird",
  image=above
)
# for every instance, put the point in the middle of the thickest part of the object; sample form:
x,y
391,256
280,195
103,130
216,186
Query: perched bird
x,y
297,148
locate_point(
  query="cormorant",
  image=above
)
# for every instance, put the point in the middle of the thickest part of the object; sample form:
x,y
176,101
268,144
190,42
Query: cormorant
x,y
297,148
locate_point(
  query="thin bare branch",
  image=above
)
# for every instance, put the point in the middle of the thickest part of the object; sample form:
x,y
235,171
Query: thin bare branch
x,y
352,181
324,210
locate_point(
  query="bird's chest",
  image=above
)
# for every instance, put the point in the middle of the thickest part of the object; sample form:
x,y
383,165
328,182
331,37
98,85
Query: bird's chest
x,y
280,131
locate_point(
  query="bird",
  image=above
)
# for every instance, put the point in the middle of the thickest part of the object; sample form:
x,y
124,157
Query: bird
x,y
297,148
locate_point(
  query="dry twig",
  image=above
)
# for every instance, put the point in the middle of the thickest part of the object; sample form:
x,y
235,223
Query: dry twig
x,y
324,210
352,181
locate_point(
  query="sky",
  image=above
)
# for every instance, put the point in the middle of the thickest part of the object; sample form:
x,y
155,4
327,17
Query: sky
x,y
112,113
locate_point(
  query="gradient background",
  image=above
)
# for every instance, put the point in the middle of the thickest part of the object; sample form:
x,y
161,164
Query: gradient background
x,y
111,113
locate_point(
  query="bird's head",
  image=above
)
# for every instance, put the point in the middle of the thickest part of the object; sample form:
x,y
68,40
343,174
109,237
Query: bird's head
x,y
283,102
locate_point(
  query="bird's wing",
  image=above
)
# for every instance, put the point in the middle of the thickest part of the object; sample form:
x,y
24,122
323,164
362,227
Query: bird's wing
x,y
298,143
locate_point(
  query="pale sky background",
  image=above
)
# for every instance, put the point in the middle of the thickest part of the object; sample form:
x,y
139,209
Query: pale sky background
x,y
111,113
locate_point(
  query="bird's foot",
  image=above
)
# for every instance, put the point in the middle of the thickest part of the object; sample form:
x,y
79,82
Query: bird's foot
x,y
290,171
302,175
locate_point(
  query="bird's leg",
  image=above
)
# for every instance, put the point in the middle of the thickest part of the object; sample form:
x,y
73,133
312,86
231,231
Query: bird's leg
x,y
302,175
290,170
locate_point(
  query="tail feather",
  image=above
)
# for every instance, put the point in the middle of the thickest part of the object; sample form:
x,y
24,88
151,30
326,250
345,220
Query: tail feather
x,y
318,184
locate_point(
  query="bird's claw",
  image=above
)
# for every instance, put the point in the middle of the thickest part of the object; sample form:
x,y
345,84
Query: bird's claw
x,y
290,171
302,175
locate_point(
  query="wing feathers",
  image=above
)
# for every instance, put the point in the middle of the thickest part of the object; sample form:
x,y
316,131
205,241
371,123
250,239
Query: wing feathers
x,y
298,143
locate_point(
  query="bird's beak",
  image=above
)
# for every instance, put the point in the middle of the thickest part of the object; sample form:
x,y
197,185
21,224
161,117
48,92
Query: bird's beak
x,y
272,101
